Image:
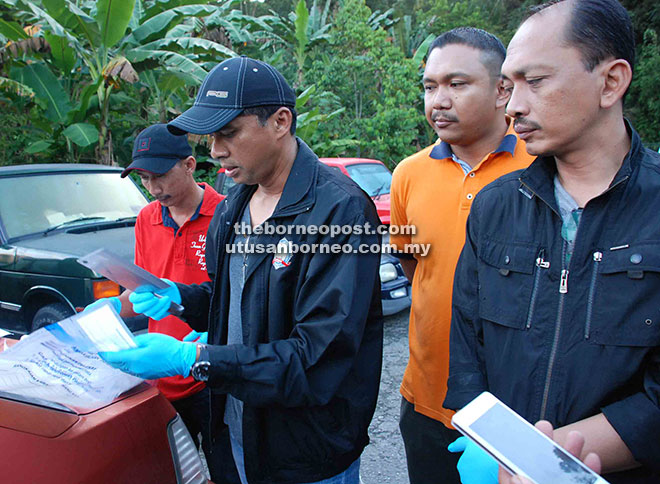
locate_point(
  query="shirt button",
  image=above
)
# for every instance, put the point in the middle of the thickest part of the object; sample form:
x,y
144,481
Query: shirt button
x,y
471,175
507,259
636,258
470,196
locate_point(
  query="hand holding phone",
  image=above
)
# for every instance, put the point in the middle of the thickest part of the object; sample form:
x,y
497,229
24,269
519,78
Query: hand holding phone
x,y
574,444
522,449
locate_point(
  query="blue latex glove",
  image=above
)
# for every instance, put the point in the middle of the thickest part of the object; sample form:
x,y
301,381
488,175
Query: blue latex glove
x,y
145,302
475,465
197,337
157,355
116,303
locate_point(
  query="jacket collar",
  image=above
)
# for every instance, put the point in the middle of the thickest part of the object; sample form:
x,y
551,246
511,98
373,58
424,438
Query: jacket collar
x,y
539,176
300,188
508,144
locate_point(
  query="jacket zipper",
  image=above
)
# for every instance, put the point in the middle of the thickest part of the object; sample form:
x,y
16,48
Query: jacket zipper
x,y
563,289
247,241
540,264
598,256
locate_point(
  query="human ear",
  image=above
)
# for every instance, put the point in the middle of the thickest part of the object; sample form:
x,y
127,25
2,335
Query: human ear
x,y
616,76
282,119
190,164
504,88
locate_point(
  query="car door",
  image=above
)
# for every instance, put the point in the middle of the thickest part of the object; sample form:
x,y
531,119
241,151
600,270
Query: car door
x,y
9,300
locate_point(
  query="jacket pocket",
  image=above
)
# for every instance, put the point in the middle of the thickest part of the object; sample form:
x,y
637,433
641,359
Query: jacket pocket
x,y
623,308
508,283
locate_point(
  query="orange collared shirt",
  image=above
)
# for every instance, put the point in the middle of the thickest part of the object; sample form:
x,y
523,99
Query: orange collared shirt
x,y
431,192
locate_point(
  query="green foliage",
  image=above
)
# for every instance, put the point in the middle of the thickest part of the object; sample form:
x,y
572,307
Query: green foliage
x,y
96,51
18,129
46,87
12,31
79,79
378,87
113,17
311,120
643,104
442,15
82,134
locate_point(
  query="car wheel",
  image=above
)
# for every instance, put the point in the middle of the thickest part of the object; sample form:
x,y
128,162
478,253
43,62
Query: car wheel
x,y
51,313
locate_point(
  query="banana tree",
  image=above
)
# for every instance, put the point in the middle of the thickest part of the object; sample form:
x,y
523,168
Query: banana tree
x,y
301,31
108,43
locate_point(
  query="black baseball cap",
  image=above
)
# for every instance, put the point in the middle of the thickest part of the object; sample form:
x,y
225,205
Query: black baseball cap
x,y
156,150
232,86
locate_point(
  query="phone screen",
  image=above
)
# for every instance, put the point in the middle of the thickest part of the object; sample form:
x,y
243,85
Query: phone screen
x,y
536,456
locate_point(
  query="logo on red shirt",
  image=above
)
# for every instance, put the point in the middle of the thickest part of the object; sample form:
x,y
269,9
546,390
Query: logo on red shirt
x,y
200,253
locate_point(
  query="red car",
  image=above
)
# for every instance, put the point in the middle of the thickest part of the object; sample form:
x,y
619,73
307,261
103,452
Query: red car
x,y
372,176
138,438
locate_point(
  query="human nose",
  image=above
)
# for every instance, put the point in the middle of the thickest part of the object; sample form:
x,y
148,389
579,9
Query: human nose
x,y
153,187
441,99
218,148
518,105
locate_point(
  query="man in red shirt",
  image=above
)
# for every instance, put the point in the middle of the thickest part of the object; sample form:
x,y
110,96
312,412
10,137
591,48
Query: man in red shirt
x,y
170,242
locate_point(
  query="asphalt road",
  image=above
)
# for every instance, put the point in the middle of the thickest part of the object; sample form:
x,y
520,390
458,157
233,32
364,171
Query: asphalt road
x,y
384,459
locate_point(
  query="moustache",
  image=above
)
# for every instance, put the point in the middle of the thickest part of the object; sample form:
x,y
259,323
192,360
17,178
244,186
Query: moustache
x,y
444,117
525,124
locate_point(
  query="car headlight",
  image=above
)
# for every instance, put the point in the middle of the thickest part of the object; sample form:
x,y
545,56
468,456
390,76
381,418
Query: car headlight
x,y
388,272
187,463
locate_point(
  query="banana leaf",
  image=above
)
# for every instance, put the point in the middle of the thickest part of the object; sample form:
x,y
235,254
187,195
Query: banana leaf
x,y
64,57
82,134
113,17
168,59
46,87
12,30
190,44
162,22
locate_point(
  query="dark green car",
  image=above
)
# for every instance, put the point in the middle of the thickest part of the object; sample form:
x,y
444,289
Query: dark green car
x,y
50,215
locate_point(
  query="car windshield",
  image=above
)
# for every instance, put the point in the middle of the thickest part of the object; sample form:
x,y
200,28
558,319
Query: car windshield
x,y
35,203
373,178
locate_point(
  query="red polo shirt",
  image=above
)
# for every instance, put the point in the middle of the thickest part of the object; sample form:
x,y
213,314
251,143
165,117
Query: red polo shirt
x,y
180,257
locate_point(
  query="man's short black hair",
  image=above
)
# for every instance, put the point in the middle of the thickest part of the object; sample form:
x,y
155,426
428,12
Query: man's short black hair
x,y
599,29
264,112
493,51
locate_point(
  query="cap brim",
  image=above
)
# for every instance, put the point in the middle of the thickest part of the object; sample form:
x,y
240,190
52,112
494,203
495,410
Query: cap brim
x,y
151,165
202,120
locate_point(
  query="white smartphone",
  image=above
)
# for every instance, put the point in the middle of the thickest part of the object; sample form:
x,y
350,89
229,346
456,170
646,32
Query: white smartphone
x,y
519,446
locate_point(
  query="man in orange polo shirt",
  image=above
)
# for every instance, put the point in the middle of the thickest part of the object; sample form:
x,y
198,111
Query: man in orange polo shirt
x,y
170,242
432,190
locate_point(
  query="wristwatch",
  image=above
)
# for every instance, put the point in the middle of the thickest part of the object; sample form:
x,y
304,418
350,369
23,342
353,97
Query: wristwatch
x,y
201,368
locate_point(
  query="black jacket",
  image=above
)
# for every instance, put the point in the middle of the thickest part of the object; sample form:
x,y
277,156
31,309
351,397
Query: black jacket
x,y
565,351
309,370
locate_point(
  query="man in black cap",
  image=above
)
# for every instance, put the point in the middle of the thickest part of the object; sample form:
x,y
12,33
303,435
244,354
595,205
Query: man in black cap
x,y
293,307
170,237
